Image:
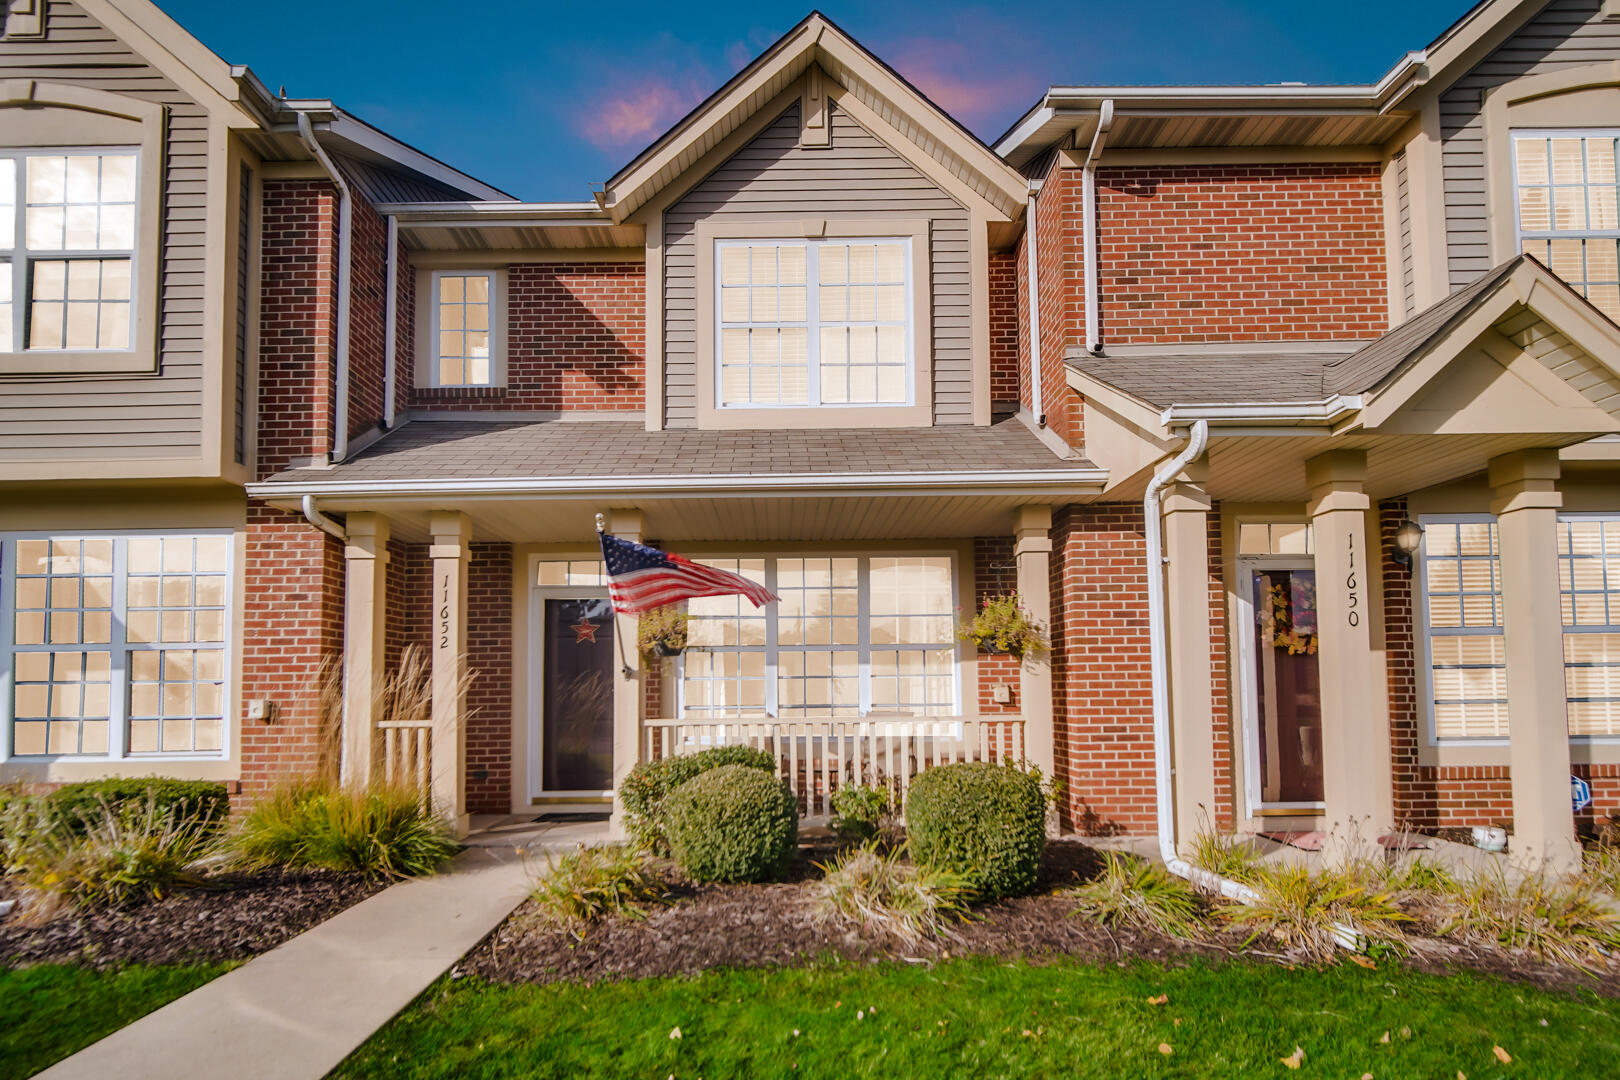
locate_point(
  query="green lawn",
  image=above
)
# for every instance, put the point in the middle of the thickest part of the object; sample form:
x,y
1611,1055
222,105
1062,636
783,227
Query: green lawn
x,y
53,1010
984,1018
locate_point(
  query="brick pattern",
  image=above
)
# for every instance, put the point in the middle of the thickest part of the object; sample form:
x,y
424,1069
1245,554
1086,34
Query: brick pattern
x,y
1102,710
297,322
404,332
1062,298
489,699
292,628
576,342
1004,331
410,601
994,572
1289,252
367,317
1021,275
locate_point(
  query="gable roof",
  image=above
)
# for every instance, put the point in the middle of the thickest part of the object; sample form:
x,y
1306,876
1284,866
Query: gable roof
x,y
818,41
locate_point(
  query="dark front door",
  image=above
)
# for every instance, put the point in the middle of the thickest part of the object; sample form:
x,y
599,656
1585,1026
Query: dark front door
x,y
1288,689
576,721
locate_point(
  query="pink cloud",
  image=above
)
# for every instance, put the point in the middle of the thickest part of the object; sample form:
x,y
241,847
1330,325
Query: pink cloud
x,y
965,79
638,113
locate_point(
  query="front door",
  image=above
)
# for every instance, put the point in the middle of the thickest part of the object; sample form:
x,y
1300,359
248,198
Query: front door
x,y
576,697
1282,684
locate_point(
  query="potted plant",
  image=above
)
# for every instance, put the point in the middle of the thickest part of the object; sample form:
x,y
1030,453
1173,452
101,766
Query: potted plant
x,y
1001,625
662,631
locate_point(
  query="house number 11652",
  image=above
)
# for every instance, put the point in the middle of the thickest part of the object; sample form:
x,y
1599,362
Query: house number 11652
x,y
1351,585
444,614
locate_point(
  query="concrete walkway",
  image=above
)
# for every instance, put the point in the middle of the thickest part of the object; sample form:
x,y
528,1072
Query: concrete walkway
x,y
297,1011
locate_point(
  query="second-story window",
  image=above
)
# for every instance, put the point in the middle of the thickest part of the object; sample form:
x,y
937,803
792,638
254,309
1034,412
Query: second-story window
x,y
463,328
1568,199
807,323
67,247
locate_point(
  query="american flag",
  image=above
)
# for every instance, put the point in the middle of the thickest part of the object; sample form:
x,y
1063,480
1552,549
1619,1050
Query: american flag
x,y
641,578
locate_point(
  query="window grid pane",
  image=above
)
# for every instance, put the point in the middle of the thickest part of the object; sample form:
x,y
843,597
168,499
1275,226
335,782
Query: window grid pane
x,y
1589,587
844,341
1462,586
463,326
850,635
111,629
1568,203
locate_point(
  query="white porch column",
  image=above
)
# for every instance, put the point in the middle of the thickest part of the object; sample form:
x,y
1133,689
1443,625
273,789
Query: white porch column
x,y
1032,550
452,533
1526,506
627,688
1192,702
1357,780
365,618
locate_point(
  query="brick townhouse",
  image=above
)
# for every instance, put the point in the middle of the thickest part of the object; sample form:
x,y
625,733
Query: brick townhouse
x,y
1292,412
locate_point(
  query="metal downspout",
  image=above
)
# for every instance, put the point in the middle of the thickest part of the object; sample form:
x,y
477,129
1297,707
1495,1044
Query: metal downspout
x,y
1153,528
321,521
340,405
1088,221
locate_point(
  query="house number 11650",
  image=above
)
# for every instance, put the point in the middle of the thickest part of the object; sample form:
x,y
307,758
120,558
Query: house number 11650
x,y
1351,585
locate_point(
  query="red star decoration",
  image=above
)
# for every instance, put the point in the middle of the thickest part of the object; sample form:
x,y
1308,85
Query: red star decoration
x,y
585,631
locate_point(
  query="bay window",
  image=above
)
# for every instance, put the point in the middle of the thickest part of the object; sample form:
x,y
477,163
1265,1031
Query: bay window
x,y
1460,603
1589,586
851,636
1567,197
805,323
67,249
116,647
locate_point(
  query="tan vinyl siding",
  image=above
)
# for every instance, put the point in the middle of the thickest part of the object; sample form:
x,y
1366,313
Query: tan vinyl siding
x,y
772,177
1565,33
1403,200
151,416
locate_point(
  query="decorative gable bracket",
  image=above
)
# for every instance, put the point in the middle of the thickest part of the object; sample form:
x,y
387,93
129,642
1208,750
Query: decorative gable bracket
x,y
24,19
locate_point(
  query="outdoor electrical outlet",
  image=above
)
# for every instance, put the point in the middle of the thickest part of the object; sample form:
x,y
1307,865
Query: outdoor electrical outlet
x,y
1001,694
260,709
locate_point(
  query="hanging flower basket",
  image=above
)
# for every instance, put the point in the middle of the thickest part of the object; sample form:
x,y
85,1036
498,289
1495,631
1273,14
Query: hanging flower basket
x,y
1002,626
661,632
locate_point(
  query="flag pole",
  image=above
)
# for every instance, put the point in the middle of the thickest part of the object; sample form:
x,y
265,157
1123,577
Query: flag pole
x,y
624,663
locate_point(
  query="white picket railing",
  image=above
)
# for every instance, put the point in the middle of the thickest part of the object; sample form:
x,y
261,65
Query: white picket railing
x,y
815,757
406,753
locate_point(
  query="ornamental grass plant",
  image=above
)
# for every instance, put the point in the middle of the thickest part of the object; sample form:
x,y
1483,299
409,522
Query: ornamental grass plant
x,y
380,831
1142,895
886,896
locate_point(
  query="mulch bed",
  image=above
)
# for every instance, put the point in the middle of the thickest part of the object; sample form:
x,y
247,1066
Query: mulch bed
x,y
234,917
732,926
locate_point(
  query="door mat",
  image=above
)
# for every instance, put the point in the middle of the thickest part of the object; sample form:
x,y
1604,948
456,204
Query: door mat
x,y
561,817
1312,840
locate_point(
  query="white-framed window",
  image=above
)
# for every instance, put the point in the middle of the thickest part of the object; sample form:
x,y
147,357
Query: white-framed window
x,y
804,323
1567,198
1276,538
1459,597
463,328
67,249
1589,588
851,636
115,646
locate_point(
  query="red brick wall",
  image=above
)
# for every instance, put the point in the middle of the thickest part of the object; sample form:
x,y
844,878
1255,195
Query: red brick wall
x,y
1220,682
1004,323
404,333
292,624
1021,281
367,317
1100,678
1062,298
410,601
576,342
1239,253
994,572
489,699
297,322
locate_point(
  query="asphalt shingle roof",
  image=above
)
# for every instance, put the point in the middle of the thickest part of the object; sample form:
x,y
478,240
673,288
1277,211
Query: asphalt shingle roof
x,y
451,449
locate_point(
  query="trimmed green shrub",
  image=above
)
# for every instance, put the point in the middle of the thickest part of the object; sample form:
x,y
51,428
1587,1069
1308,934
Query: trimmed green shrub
x,y
201,801
651,782
381,831
859,812
985,822
733,823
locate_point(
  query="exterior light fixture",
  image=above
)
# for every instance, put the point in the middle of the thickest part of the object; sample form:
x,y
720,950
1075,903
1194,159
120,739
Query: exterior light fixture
x,y
1407,540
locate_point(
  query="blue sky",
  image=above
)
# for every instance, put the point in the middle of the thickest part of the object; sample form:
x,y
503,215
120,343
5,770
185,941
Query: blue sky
x,y
543,100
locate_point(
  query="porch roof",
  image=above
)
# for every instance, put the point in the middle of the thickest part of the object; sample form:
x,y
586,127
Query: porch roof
x,y
615,454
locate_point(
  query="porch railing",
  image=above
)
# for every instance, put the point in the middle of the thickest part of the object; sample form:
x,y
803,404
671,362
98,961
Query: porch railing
x,y
406,753
816,757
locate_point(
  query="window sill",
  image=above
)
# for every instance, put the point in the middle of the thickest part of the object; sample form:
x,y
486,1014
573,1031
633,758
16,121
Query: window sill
x,y
46,364
459,392
817,416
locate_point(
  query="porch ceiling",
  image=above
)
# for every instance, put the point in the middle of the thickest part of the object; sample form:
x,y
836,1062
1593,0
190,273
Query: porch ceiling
x,y
762,518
